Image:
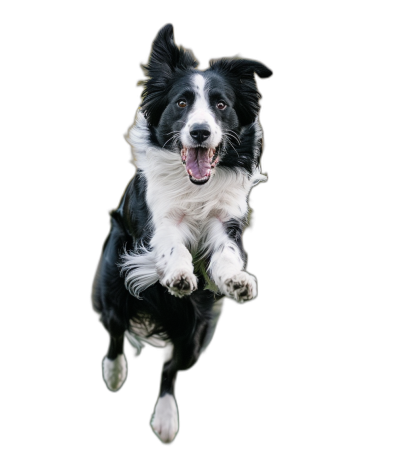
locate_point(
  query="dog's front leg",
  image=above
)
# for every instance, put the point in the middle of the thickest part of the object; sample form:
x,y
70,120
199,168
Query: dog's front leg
x,y
173,260
226,266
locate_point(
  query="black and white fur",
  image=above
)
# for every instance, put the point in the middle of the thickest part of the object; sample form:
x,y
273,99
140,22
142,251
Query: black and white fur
x,y
175,246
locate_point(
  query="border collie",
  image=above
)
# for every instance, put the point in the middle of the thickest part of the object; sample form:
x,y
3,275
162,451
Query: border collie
x,y
175,247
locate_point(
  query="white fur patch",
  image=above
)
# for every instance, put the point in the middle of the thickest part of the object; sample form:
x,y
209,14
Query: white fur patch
x,y
139,267
115,372
165,420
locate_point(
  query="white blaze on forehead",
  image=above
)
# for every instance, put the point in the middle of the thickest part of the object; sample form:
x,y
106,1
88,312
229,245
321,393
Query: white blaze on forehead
x,y
201,102
201,113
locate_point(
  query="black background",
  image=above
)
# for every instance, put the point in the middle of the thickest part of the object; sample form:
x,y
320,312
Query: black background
x,y
256,392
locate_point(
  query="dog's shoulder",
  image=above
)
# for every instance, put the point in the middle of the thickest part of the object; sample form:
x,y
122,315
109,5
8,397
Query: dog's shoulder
x,y
132,214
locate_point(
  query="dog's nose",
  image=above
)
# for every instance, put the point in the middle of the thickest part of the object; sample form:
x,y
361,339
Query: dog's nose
x,y
200,132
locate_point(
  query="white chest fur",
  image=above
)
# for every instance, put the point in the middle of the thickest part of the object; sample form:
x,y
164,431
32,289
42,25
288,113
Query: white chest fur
x,y
170,193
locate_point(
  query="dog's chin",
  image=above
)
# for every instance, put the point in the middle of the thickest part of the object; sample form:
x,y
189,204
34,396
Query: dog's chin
x,y
199,162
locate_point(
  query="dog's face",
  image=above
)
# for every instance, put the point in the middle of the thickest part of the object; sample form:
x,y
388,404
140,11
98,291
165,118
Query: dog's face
x,y
198,114
198,121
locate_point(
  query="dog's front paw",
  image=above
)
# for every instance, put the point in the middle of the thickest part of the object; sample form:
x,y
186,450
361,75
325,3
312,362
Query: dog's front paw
x,y
240,287
180,283
165,421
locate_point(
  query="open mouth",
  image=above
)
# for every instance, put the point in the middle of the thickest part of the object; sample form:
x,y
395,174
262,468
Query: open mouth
x,y
199,162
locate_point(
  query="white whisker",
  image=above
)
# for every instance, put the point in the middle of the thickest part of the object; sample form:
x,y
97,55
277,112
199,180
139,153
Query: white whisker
x,y
230,143
173,137
233,134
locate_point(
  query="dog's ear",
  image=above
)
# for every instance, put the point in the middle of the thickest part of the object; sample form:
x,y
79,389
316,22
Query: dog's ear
x,y
166,59
240,74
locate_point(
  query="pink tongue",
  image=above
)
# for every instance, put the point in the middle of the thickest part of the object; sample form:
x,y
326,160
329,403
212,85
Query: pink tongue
x,y
198,162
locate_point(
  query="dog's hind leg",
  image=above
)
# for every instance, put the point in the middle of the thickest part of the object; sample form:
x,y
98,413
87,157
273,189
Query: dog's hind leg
x,y
165,419
110,298
185,353
115,367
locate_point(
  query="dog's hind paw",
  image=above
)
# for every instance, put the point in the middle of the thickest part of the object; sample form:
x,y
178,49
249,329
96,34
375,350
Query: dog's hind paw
x,y
115,372
180,283
165,421
240,287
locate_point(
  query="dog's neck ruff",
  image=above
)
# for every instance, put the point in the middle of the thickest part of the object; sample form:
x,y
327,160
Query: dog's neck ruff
x,y
168,182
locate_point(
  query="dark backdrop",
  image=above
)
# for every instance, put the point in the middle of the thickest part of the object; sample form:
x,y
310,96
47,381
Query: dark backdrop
x,y
250,392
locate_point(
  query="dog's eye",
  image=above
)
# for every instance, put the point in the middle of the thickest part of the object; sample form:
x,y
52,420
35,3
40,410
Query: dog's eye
x,y
182,103
221,105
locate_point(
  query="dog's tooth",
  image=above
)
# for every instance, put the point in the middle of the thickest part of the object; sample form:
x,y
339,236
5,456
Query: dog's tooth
x,y
190,172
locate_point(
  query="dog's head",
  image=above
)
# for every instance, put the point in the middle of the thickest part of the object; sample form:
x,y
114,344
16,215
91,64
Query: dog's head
x,y
198,113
